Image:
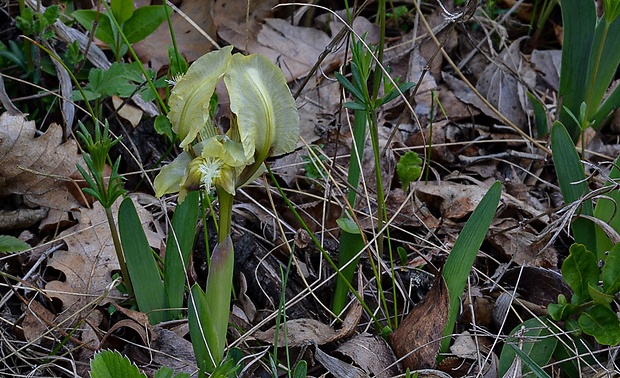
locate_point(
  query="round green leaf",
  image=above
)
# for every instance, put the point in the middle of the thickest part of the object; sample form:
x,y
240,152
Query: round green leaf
x,y
602,323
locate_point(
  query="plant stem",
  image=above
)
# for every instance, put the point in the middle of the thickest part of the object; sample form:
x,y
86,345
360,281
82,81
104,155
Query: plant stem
x,y
118,247
226,204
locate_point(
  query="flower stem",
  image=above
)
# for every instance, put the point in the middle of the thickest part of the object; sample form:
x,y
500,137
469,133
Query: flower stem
x,y
119,251
226,204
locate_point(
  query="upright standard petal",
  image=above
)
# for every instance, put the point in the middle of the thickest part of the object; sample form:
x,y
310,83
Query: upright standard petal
x,y
267,117
189,100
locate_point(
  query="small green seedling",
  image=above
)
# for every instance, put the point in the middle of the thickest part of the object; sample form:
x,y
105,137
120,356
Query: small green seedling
x,y
594,290
409,168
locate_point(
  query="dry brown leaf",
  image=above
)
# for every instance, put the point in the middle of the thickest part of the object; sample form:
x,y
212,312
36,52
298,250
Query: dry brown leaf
x,y
501,84
191,43
371,353
455,201
300,332
37,168
89,261
521,244
338,368
36,320
293,48
547,64
418,337
127,111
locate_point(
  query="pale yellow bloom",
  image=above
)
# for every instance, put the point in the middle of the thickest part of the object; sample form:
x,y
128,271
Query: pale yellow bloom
x,y
264,122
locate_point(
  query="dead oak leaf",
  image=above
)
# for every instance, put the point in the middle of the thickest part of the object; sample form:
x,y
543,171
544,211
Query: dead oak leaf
x,y
90,261
37,167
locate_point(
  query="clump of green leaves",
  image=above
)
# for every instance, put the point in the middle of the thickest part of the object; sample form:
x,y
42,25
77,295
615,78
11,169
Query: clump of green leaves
x,y
314,170
594,290
121,79
109,363
135,24
34,23
409,168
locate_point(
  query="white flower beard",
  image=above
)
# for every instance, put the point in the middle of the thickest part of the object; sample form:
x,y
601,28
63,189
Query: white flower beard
x,y
210,170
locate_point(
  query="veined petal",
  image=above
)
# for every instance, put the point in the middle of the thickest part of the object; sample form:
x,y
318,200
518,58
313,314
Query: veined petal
x,y
267,118
224,148
170,178
189,100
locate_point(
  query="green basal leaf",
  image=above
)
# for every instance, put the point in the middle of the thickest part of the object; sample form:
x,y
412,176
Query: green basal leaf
x,y
217,296
122,10
348,225
610,274
111,364
144,22
147,283
601,322
12,244
536,341
189,100
201,329
579,270
163,127
579,20
540,115
573,185
178,250
409,168
301,369
608,210
267,118
104,32
558,311
461,258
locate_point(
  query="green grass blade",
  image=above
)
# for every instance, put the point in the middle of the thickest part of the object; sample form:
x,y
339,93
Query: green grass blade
x,y
527,360
351,244
611,103
579,20
537,343
608,210
461,258
540,116
143,271
571,177
201,330
177,255
607,62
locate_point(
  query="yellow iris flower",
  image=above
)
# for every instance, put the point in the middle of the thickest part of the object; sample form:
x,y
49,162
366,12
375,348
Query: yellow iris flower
x,y
264,122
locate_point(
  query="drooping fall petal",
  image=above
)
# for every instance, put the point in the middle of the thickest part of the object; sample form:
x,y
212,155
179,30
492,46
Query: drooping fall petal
x,y
170,178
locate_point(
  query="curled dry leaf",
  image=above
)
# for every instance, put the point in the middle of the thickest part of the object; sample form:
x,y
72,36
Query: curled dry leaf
x,y
37,168
338,368
418,337
371,353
